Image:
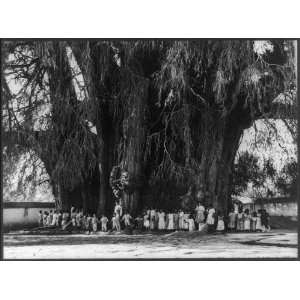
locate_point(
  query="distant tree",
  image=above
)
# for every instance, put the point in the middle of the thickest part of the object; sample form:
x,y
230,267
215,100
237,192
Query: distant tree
x,y
286,182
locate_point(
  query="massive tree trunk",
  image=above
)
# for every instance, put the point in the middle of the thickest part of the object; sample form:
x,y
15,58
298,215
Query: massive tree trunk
x,y
134,141
218,148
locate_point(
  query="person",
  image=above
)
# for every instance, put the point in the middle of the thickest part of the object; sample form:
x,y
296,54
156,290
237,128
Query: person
x,y
88,224
83,222
45,215
232,220
114,223
117,220
40,218
240,220
94,223
152,218
78,218
50,218
253,221
170,224
59,219
139,222
126,219
200,217
103,222
54,219
176,220
64,220
186,222
146,221
247,220
190,222
258,222
161,220
265,220
221,225
181,220
210,220
118,209
73,219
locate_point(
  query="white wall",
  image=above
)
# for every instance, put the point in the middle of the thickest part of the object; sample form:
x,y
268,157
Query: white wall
x,y
21,216
289,209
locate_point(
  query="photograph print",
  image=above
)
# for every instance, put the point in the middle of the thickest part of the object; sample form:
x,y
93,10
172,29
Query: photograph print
x,y
149,149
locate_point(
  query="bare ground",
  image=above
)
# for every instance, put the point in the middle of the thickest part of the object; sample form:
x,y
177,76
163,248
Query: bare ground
x,y
274,244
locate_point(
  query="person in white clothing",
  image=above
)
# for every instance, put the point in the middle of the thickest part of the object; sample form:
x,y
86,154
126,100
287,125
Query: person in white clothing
x,y
190,222
161,221
104,221
210,220
181,220
54,219
118,209
170,221
126,218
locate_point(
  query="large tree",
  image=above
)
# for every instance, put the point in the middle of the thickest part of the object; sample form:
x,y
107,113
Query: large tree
x,y
168,115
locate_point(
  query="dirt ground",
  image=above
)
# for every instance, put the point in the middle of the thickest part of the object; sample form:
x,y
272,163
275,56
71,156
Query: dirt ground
x,y
277,243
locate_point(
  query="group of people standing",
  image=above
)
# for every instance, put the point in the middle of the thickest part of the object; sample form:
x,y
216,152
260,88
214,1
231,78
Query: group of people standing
x,y
156,219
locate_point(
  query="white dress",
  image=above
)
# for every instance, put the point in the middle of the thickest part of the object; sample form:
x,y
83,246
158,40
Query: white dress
x,y
161,221
247,222
146,221
191,224
221,225
152,219
210,217
181,220
258,222
200,213
186,221
170,222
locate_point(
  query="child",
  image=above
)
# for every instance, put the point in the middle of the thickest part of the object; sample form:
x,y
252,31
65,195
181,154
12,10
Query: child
x,y
64,220
78,219
210,220
186,222
232,220
221,225
126,218
45,215
161,220
152,219
181,220
59,219
88,221
253,221
190,222
258,222
170,221
176,220
73,219
200,209
247,220
83,222
240,220
116,222
265,220
54,219
139,222
94,223
146,221
40,216
118,209
104,221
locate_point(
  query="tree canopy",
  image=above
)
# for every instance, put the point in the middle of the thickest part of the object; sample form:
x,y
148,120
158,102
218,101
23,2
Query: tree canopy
x,y
144,121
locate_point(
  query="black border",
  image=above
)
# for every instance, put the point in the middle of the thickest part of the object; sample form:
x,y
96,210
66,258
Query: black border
x,y
158,259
